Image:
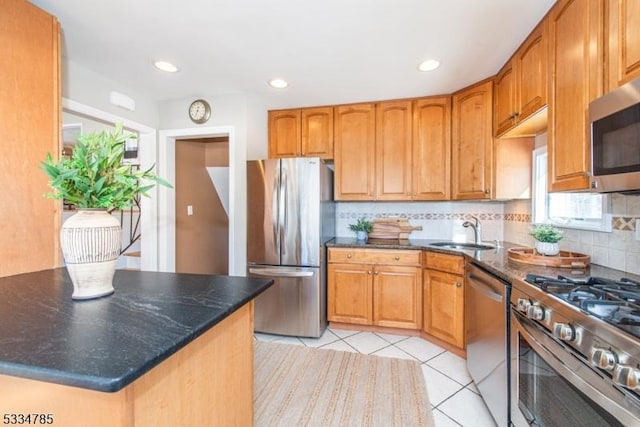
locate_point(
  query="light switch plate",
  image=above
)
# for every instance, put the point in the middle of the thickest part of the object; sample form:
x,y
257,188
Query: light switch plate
x,y
189,210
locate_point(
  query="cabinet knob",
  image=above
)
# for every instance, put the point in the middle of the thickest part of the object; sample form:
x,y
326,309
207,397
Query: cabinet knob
x,y
368,271
349,256
375,272
397,258
486,191
458,285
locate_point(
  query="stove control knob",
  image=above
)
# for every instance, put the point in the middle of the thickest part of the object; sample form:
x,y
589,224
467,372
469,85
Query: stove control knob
x,y
627,376
603,358
535,312
523,305
564,331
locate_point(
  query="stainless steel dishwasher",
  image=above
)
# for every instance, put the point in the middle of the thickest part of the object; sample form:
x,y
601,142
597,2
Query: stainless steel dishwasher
x,y
486,317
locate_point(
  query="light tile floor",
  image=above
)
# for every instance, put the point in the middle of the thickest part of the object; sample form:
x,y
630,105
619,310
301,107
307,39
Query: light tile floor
x,y
453,395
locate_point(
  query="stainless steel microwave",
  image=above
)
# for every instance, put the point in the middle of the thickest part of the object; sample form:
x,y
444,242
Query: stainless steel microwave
x,y
615,140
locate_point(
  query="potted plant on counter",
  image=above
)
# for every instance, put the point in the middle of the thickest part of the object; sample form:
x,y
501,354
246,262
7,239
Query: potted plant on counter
x,y
95,180
362,228
547,237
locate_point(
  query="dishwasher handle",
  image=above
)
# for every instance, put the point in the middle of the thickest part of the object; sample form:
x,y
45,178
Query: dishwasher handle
x,y
276,272
485,287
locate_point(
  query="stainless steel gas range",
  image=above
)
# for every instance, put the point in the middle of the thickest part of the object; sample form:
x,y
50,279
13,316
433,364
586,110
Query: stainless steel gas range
x,y
575,352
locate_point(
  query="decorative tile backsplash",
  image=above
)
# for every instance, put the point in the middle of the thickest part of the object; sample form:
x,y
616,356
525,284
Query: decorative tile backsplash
x,y
439,220
617,249
508,221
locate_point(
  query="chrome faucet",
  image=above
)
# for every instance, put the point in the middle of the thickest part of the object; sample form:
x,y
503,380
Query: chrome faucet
x,y
477,228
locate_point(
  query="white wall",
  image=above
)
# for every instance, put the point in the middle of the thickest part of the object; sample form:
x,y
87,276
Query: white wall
x,y
242,116
92,88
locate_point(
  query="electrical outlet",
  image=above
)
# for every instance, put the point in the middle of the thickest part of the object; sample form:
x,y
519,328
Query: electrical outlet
x,y
637,228
189,210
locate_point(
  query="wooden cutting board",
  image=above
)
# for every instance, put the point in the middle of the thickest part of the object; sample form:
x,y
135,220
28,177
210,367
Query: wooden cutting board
x,y
392,228
565,259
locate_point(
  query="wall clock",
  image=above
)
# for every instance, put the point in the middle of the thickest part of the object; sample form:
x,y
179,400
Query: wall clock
x,y
199,111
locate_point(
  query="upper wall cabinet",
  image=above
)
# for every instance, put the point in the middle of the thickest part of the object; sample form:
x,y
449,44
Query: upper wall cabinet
x,y
299,132
576,55
432,148
520,94
409,153
393,150
472,143
354,135
623,42
30,112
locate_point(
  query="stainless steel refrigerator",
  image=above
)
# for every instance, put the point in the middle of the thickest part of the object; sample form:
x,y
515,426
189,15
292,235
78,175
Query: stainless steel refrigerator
x,y
291,215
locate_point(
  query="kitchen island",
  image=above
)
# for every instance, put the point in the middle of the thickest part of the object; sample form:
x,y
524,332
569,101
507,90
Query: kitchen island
x,y
164,349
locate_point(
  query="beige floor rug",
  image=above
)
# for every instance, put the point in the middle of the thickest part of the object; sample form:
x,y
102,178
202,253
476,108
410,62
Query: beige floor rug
x,y
302,386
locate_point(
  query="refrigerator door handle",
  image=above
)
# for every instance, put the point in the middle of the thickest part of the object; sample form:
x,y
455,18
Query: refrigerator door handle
x,y
274,215
277,272
285,216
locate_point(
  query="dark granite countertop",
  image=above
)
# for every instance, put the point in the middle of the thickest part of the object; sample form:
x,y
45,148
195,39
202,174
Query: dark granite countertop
x,y
105,344
494,260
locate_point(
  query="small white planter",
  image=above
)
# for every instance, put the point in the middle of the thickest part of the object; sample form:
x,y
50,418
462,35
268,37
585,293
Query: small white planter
x,y
91,241
361,235
546,248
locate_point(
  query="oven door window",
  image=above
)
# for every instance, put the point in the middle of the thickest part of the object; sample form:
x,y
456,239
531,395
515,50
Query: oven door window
x,y
546,399
616,142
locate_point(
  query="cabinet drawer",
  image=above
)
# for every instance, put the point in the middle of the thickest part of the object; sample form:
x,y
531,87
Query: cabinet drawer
x,y
444,262
374,256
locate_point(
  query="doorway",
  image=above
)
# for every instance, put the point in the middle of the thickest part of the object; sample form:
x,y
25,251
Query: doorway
x,y
145,253
201,208
237,199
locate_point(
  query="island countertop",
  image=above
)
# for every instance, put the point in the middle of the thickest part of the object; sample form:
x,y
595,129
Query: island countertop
x,y
105,344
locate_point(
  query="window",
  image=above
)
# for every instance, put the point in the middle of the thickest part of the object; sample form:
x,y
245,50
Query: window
x,y
587,211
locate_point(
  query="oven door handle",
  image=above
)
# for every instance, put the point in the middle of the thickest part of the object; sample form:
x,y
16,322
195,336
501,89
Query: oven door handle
x,y
575,371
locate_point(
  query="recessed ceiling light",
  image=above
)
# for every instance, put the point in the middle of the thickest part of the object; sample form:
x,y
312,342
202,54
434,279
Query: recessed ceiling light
x,y
278,83
429,65
166,66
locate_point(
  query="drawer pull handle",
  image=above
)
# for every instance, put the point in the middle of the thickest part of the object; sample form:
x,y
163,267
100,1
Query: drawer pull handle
x,y
348,255
458,285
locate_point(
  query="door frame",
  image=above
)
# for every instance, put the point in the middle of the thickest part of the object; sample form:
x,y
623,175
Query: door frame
x,y
167,206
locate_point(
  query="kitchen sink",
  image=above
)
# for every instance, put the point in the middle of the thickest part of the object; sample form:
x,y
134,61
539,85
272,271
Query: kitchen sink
x,y
458,245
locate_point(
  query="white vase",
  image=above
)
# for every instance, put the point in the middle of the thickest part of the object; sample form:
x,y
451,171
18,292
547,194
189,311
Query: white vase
x,y
91,241
546,248
361,235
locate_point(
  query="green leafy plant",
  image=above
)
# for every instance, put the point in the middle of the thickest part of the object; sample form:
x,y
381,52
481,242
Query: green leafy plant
x,y
94,176
546,233
362,225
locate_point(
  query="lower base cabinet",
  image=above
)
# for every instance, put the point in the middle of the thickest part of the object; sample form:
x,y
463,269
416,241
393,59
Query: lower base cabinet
x,y
375,287
443,282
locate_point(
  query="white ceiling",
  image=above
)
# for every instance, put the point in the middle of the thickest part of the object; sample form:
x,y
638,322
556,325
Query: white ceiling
x,y
330,51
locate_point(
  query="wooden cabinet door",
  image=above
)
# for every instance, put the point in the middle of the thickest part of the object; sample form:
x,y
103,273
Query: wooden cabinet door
x,y
444,306
504,104
393,150
472,142
432,148
575,37
349,293
284,134
29,129
623,41
532,73
317,132
354,146
397,299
